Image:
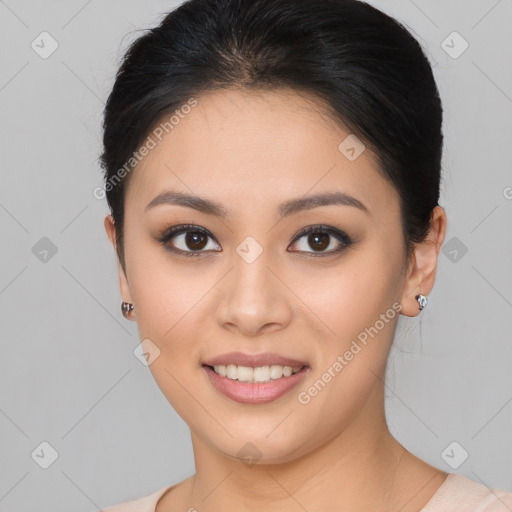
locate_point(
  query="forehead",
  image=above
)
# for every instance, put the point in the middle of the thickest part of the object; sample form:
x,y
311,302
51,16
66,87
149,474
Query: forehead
x,y
255,145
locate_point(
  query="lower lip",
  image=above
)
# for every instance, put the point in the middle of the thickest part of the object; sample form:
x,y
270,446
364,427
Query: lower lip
x,y
254,392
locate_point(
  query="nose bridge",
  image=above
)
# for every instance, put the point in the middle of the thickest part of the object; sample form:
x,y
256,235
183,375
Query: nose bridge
x,y
251,280
253,297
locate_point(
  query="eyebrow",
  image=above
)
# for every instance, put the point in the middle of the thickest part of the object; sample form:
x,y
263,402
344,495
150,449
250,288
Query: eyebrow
x,y
285,209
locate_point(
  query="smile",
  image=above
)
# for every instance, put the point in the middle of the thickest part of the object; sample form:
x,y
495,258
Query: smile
x,y
255,374
254,385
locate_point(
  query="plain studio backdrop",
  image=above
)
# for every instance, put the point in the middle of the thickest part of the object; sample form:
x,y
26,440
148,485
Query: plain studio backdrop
x,y
82,423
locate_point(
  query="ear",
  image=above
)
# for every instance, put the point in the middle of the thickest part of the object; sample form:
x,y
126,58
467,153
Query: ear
x,y
423,265
123,281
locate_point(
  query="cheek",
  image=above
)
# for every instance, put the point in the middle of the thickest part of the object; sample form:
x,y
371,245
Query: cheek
x,y
352,297
165,295
358,308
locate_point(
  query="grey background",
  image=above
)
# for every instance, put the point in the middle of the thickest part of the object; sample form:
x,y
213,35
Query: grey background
x,y
68,375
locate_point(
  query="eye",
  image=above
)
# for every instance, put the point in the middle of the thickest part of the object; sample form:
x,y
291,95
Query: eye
x,y
320,237
192,239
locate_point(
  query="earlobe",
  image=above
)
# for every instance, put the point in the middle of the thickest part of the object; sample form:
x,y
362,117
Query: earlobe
x,y
422,271
124,288
123,281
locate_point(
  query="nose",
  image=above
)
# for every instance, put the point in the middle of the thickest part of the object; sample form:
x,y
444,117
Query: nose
x,y
254,298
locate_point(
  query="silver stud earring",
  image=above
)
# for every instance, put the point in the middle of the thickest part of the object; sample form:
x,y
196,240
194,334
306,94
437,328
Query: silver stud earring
x,y
126,307
422,301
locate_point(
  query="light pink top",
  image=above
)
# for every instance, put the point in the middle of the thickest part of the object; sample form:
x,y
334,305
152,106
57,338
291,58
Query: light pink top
x,y
457,493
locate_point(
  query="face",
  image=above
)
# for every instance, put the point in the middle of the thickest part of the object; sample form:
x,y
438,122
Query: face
x,y
250,276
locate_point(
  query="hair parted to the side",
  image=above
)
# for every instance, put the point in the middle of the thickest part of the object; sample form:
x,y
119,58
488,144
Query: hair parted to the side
x,y
363,64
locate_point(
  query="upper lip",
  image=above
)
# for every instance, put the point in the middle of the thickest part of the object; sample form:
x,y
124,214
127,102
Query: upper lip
x,y
263,359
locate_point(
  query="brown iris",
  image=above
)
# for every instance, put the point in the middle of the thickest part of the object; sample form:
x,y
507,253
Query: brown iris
x,y
318,240
195,240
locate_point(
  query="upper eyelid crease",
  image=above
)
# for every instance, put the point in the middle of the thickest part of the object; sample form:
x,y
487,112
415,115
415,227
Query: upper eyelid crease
x,y
184,228
285,209
340,235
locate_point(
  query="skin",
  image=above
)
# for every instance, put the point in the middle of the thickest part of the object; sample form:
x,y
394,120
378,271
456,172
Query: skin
x,y
250,151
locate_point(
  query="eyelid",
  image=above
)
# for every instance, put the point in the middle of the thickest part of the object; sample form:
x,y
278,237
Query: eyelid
x,y
341,236
180,229
322,228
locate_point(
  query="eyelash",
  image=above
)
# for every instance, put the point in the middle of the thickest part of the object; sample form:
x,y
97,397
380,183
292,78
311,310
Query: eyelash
x,y
341,236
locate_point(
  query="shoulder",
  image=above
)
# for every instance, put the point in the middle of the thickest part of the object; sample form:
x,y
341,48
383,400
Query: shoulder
x,y
143,504
463,494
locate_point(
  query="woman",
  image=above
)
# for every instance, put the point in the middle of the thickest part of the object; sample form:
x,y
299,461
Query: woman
x,y
273,169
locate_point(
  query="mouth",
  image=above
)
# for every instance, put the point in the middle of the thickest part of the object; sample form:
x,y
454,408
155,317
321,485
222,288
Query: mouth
x,y
254,379
254,374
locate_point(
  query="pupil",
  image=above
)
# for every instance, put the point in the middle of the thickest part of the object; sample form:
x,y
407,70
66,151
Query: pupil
x,y
191,240
314,237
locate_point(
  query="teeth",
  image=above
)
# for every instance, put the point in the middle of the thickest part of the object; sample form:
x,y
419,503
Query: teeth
x,y
257,374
